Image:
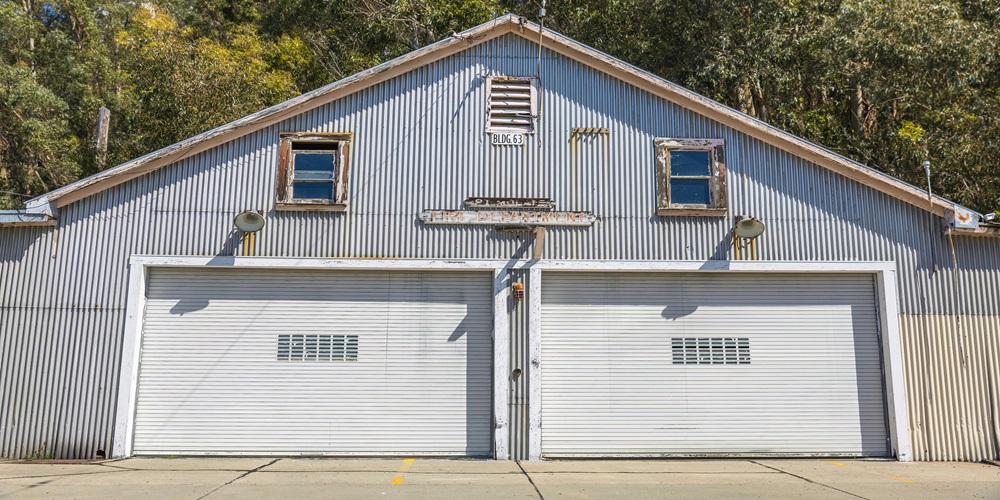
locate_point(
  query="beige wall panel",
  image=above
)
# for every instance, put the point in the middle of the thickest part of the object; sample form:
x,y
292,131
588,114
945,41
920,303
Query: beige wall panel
x,y
952,374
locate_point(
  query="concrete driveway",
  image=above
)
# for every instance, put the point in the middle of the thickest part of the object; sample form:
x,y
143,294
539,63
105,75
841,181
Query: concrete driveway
x,y
219,478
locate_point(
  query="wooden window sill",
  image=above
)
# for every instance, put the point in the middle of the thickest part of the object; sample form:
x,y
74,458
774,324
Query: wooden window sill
x,y
692,212
311,207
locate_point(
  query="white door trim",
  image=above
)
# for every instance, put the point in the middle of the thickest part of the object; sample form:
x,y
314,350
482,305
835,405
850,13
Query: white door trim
x,y
886,296
884,272
139,267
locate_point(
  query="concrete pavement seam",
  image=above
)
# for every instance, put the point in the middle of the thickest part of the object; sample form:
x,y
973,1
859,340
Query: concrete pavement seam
x,y
532,481
806,479
62,475
245,474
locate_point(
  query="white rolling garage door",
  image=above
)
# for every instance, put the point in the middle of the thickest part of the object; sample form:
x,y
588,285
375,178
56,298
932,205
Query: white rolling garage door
x,y
710,364
315,362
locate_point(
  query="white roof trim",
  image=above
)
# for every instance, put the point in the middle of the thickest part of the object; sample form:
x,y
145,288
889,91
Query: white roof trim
x,y
22,218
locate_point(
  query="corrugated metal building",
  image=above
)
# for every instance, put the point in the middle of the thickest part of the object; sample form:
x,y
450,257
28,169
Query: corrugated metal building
x,y
495,249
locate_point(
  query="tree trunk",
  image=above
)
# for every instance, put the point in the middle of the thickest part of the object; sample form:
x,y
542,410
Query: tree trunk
x,y
28,9
857,110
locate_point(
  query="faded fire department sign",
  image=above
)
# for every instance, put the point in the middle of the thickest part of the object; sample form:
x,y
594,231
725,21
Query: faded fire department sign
x,y
507,217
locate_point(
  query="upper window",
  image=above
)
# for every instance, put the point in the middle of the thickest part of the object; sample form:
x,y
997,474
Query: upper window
x,y
312,174
512,105
691,177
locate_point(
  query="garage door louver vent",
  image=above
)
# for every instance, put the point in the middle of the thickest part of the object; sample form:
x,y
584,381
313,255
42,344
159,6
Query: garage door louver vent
x,y
711,351
317,347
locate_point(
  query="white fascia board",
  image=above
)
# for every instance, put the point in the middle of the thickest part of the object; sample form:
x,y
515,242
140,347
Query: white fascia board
x,y
40,205
315,263
25,218
548,265
719,266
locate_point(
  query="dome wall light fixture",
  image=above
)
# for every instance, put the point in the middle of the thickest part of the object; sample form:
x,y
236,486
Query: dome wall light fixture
x,y
746,229
249,222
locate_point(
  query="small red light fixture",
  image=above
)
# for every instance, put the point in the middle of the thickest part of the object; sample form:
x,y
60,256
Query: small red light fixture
x,y
518,290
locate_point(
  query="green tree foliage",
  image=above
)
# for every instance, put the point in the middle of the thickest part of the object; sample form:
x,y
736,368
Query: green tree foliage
x,y
887,82
177,84
161,80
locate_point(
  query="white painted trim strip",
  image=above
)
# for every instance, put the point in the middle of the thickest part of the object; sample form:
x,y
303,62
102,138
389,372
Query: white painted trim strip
x,y
501,366
892,354
549,265
754,266
317,263
535,368
128,376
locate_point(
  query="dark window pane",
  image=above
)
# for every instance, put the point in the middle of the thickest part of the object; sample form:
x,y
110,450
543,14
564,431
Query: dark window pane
x,y
689,163
315,146
312,190
314,162
690,192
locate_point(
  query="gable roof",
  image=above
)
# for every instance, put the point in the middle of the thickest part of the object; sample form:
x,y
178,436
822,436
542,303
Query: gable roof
x,y
509,23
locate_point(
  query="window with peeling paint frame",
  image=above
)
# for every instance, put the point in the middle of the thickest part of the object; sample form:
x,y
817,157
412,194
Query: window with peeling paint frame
x,y
312,174
691,177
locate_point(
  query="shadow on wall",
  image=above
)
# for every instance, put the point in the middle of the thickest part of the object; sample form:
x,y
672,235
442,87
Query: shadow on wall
x,y
15,241
873,443
223,257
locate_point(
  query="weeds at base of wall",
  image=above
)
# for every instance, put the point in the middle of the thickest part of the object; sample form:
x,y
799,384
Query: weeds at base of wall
x,y
39,454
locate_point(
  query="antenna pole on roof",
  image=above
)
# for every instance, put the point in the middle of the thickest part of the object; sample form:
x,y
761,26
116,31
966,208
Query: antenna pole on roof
x,y
930,207
538,70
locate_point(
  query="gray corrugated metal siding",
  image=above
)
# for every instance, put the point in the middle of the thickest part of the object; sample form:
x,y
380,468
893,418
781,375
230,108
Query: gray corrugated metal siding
x,y
420,144
520,359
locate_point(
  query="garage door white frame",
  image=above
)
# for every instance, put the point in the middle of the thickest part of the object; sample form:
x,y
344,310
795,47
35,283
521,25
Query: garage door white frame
x,y
139,268
886,296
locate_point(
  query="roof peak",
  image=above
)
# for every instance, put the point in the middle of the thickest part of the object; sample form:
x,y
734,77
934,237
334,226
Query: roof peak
x,y
506,23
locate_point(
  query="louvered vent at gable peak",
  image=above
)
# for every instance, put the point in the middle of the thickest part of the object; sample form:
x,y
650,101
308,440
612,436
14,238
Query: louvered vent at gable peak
x,y
511,104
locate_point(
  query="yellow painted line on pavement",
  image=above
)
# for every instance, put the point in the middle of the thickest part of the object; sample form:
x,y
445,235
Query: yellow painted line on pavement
x,y
901,479
894,478
405,467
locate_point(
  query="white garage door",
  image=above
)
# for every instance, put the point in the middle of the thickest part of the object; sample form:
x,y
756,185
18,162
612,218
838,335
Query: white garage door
x,y
713,364
315,362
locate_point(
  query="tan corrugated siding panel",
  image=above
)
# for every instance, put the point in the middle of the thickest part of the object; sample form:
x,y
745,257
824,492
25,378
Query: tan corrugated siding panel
x,y
951,382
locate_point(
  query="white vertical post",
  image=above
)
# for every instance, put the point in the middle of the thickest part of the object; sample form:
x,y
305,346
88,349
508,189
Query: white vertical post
x,y
501,366
892,353
128,377
535,369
